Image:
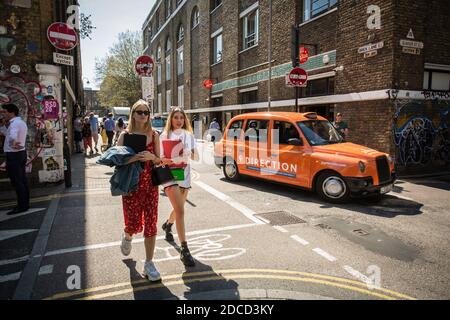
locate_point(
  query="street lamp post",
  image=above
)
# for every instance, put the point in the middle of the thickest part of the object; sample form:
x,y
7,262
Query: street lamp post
x,y
269,98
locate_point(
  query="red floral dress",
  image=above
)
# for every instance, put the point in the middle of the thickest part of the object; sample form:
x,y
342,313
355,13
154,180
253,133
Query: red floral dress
x,y
140,208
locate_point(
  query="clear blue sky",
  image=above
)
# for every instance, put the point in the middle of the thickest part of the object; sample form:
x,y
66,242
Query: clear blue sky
x,y
110,18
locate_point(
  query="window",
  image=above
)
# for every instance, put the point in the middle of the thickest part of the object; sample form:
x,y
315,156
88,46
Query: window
x,y
168,70
157,21
150,34
180,36
195,18
215,4
217,53
168,8
158,54
168,45
180,60
159,103
234,132
217,102
436,80
168,100
320,87
159,74
250,29
283,131
181,96
313,8
248,97
256,130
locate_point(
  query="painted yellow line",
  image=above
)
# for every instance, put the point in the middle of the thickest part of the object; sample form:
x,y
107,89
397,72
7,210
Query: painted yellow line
x,y
221,272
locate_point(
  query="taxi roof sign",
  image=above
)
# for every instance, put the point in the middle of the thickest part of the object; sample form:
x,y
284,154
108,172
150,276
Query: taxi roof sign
x,y
310,115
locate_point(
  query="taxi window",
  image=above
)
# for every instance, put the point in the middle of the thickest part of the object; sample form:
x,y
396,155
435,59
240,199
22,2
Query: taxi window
x,y
283,131
234,132
256,130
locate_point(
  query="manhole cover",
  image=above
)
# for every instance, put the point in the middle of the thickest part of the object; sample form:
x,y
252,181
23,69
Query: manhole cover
x,y
361,232
280,218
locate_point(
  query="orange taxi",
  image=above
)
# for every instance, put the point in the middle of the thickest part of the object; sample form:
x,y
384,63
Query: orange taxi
x,y
304,150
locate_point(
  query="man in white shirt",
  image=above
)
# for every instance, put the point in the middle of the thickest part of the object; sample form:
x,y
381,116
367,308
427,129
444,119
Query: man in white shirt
x,y
16,155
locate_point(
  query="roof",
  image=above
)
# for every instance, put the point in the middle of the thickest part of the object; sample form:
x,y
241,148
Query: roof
x,y
289,116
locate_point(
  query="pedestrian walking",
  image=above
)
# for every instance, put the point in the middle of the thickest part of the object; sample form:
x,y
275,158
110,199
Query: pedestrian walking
x,y
93,121
177,149
140,207
214,129
87,136
120,127
110,126
15,131
341,126
78,133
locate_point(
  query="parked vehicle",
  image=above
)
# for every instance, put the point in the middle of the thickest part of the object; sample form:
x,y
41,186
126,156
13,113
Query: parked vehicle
x,y
159,122
121,112
304,150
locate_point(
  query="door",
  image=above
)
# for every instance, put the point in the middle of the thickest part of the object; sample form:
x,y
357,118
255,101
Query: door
x,y
256,150
290,162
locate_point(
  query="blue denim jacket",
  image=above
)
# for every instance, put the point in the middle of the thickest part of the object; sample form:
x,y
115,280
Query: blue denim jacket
x,y
126,176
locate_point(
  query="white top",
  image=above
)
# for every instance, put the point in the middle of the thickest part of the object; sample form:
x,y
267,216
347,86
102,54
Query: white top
x,y
15,133
189,144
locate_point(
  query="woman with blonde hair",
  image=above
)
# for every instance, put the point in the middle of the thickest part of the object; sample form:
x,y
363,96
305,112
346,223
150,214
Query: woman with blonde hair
x,y
140,207
178,148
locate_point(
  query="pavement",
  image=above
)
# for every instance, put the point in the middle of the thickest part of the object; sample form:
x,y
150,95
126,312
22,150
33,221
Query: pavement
x,y
251,240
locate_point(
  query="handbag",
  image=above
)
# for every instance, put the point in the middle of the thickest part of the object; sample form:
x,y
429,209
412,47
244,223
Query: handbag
x,y
161,175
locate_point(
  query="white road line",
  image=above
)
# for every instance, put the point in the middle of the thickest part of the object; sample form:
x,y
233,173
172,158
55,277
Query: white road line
x,y
118,243
7,234
10,277
281,229
298,239
355,273
324,254
241,208
4,217
44,270
399,196
264,220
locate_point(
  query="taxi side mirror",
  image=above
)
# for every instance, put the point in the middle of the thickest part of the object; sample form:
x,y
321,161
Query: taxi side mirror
x,y
295,142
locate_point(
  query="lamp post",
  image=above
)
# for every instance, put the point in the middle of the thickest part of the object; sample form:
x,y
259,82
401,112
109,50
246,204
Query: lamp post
x,y
269,98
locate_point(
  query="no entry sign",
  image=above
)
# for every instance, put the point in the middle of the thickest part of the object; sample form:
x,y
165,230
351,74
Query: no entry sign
x,y
144,66
62,36
298,77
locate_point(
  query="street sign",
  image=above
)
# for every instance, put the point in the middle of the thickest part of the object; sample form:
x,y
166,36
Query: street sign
x,y
371,47
61,36
370,54
304,55
144,66
147,88
410,34
208,84
62,59
411,44
409,50
298,77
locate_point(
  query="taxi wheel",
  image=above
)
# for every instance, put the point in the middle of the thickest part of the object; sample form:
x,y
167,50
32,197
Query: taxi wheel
x,y
230,170
332,187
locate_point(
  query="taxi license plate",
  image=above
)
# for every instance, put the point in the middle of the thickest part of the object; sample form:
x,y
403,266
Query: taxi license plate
x,y
386,189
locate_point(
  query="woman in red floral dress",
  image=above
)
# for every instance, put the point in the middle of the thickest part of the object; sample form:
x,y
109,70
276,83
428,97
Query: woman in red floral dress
x,y
140,208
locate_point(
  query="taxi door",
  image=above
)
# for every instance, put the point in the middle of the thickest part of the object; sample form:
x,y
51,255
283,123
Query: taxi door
x,y
256,148
292,162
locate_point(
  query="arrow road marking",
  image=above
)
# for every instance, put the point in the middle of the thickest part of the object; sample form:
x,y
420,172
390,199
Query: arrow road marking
x,y
7,234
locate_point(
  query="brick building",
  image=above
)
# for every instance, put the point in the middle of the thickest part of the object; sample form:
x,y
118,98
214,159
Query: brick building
x,y
29,77
384,64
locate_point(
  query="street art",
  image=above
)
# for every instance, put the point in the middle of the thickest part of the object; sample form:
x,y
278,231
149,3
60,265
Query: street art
x,y
421,131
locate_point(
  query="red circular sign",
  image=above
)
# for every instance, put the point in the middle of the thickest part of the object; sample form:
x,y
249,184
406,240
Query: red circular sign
x,y
208,84
144,66
61,36
304,54
298,77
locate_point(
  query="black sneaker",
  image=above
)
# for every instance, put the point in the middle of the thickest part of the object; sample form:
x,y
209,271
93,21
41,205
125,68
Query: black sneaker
x,y
186,257
168,230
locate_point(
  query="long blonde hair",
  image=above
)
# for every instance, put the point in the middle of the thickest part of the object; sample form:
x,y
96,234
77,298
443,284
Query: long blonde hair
x,y
187,124
132,124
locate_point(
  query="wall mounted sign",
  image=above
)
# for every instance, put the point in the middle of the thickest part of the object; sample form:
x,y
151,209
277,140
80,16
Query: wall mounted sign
x,y
415,51
63,59
370,54
371,47
411,44
62,36
51,109
144,66
298,77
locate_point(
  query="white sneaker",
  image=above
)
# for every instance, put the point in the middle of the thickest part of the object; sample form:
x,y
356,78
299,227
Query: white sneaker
x,y
151,272
125,247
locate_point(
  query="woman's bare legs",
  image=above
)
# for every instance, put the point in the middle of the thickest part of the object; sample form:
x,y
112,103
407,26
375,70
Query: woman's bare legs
x,y
176,199
149,248
184,194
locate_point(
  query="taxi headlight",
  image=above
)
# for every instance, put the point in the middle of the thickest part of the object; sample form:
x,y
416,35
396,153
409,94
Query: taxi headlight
x,y
362,166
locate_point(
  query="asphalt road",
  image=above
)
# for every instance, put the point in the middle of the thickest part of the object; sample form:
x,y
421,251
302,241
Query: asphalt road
x,y
251,240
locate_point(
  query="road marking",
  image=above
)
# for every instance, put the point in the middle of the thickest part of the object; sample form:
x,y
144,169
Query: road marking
x,y
5,217
16,276
281,229
7,234
399,196
324,254
264,220
232,274
45,270
13,261
298,239
250,214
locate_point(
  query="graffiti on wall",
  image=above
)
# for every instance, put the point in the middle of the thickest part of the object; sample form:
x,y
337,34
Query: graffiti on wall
x,y
421,132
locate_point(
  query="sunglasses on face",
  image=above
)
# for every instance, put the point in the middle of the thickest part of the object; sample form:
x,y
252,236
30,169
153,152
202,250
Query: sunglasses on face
x,y
141,112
